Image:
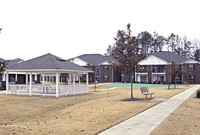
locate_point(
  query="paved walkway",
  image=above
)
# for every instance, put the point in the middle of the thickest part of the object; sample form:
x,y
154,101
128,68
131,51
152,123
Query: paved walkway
x,y
145,122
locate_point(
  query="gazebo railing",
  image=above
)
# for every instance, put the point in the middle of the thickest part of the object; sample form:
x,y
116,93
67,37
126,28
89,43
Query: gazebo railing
x,y
18,89
47,90
72,90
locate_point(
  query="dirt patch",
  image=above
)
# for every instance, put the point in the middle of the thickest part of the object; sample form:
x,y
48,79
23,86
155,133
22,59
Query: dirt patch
x,y
79,114
185,120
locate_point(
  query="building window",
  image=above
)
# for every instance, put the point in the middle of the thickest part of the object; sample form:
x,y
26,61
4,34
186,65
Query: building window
x,y
158,69
97,78
192,78
143,78
105,68
106,77
160,78
191,67
143,69
97,68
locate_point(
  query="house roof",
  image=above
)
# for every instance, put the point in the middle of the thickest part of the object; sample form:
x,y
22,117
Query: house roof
x,y
96,59
1,60
13,62
47,62
170,56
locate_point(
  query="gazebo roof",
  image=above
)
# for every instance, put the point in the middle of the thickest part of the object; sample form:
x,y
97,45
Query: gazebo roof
x,y
47,62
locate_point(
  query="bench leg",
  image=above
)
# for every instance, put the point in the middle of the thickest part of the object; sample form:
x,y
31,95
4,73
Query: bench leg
x,y
145,97
151,96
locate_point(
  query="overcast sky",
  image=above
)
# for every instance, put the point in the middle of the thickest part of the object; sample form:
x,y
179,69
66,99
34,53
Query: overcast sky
x,y
68,28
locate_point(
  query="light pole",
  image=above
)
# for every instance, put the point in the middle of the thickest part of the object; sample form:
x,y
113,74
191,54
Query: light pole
x,y
169,68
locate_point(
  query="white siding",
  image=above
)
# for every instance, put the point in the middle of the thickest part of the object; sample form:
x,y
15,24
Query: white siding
x,y
79,62
153,60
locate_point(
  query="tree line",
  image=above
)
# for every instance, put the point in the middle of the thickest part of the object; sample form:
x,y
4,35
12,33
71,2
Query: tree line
x,y
150,43
128,50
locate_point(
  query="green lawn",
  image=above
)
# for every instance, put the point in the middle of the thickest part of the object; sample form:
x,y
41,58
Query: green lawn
x,y
135,85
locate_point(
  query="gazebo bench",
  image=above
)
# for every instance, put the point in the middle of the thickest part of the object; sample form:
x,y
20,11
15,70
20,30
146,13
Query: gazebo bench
x,y
145,91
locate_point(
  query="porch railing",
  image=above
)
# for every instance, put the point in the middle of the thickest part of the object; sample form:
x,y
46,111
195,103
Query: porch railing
x,y
39,89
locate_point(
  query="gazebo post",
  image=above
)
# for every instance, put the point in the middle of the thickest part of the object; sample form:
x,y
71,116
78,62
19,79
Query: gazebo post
x,y
35,77
16,77
79,79
70,79
26,78
27,81
57,83
74,83
30,84
7,82
43,78
87,81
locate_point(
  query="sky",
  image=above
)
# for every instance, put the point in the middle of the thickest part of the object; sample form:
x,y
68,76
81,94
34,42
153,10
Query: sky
x,y
69,28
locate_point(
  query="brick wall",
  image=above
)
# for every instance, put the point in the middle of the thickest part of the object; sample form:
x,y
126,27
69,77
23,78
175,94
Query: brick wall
x,y
195,73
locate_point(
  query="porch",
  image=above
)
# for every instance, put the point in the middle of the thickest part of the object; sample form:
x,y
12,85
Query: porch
x,y
57,77
49,87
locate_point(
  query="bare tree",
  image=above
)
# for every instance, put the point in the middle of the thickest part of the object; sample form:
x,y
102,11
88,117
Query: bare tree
x,y
2,65
145,41
173,41
158,43
126,52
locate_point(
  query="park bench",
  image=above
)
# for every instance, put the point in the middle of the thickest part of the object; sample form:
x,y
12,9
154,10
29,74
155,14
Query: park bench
x,y
145,91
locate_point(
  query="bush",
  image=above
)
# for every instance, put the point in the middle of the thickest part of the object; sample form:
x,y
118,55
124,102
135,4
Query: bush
x,y
198,94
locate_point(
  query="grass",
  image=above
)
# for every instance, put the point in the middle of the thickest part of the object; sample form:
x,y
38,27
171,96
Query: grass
x,y
85,114
185,120
136,85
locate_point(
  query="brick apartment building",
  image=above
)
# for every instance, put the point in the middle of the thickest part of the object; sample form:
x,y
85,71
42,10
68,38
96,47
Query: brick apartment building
x,y
100,65
155,68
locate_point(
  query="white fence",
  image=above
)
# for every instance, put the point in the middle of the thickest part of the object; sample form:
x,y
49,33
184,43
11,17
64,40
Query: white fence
x,y
71,90
47,90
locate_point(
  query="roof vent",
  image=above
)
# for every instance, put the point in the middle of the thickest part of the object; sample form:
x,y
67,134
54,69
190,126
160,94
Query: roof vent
x,y
60,59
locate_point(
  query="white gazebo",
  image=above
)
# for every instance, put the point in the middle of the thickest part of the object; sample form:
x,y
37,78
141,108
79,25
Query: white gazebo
x,y
48,66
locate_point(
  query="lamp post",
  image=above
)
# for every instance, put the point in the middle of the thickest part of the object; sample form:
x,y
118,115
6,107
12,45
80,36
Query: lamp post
x,y
169,68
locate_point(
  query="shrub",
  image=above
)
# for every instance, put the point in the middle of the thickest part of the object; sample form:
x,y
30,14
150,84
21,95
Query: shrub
x,y
198,94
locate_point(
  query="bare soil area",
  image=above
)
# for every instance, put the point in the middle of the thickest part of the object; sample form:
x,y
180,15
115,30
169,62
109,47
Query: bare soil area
x,y
185,120
85,114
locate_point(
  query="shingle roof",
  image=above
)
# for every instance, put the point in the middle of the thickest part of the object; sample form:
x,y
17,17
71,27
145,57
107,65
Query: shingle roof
x,y
1,60
96,59
13,62
170,56
47,61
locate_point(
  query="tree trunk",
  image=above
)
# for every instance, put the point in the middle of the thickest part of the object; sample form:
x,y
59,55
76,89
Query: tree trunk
x,y
175,83
169,83
131,87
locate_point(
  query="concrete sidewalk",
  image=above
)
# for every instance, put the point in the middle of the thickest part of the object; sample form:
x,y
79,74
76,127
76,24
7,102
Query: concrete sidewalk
x,y
145,122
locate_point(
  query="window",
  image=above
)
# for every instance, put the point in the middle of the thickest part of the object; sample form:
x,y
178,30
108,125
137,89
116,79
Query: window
x,y
105,68
143,78
192,78
143,69
158,69
191,67
97,78
160,78
106,77
97,68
